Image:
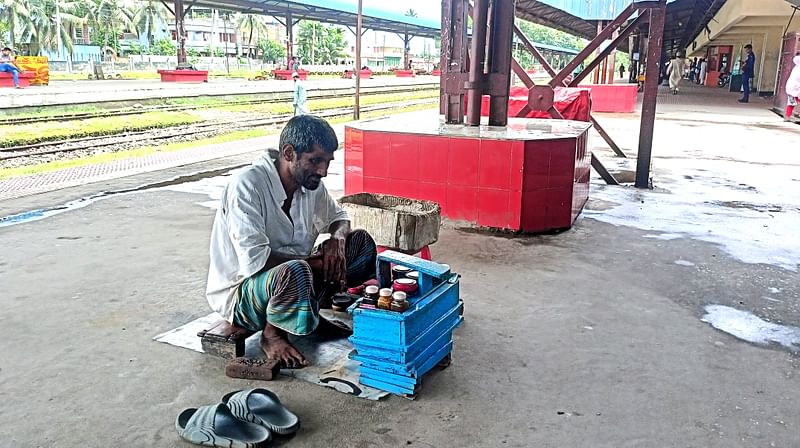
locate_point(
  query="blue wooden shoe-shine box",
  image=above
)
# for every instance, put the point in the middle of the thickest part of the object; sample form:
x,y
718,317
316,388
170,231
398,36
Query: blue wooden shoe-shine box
x,y
396,349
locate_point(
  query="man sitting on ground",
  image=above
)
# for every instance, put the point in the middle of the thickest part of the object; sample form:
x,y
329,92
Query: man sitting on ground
x,y
265,273
8,65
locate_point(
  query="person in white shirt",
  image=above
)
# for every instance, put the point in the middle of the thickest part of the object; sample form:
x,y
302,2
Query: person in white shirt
x,y
265,273
299,96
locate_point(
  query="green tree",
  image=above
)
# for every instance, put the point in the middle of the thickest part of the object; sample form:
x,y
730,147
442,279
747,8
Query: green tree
x,y
163,47
271,51
53,21
15,14
135,48
544,35
320,44
411,13
146,15
109,20
254,27
214,51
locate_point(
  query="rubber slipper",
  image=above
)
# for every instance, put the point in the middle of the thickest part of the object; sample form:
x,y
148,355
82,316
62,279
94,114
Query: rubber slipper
x,y
262,407
215,425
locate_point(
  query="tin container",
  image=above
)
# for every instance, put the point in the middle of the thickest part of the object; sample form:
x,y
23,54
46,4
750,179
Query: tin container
x,y
400,271
405,285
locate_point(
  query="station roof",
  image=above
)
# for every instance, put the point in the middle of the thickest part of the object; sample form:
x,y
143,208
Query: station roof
x,y
338,12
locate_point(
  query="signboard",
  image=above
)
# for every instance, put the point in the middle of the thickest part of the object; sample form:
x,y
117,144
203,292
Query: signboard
x,y
38,66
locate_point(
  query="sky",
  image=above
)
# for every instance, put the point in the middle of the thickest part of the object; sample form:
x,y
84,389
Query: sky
x,y
428,9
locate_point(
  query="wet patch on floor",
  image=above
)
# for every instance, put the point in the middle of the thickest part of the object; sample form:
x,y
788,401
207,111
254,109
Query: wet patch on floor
x,y
749,212
751,328
42,213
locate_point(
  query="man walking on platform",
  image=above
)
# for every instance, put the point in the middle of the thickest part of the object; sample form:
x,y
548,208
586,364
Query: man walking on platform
x,y
748,72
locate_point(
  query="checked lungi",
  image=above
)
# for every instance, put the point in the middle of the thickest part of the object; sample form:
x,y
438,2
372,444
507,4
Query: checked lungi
x,y
289,296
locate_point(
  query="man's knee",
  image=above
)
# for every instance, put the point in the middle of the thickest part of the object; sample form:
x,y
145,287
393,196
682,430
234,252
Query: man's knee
x,y
361,236
295,270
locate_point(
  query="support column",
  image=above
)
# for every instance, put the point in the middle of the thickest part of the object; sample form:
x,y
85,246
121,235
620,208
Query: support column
x,y
478,53
596,74
180,31
357,68
453,61
654,44
289,39
501,39
406,63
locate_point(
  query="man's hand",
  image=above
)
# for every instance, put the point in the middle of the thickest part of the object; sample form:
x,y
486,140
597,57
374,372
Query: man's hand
x,y
315,261
334,265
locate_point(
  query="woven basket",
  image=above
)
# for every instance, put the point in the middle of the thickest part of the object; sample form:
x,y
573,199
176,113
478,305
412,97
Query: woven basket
x,y
394,222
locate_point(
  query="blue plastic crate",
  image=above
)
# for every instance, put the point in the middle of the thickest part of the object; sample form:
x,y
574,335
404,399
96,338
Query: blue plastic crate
x,y
395,349
414,367
399,384
407,354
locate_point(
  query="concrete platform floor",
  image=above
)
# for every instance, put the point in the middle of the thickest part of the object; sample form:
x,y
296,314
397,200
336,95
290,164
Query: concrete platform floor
x,y
588,338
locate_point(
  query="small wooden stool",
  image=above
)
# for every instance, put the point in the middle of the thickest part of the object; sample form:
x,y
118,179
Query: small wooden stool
x,y
224,340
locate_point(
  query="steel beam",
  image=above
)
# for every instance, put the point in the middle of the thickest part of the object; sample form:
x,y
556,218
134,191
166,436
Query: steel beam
x,y
499,59
453,62
602,36
289,39
357,68
603,54
474,85
654,43
180,30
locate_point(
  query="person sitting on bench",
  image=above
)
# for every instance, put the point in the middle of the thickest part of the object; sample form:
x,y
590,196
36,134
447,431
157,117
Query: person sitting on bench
x,y
265,273
8,65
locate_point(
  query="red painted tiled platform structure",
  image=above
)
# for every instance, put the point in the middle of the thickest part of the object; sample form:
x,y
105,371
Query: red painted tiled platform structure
x,y
188,76
620,98
6,80
532,175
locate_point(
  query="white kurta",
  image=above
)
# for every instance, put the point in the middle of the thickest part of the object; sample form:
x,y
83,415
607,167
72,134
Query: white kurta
x,y
250,224
675,73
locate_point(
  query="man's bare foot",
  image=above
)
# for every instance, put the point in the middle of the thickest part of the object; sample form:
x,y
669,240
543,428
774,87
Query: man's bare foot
x,y
276,346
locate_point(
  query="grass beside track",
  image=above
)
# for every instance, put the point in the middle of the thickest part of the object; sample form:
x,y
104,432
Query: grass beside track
x,y
333,103
6,173
26,134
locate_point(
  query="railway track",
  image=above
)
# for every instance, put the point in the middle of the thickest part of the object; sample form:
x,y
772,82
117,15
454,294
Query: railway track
x,y
283,97
199,129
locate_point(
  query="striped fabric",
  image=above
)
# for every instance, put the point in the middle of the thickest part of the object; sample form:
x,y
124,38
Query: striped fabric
x,y
284,295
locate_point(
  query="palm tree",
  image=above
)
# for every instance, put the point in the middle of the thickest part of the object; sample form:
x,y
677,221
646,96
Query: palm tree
x,y
411,13
110,19
15,13
254,26
147,14
53,22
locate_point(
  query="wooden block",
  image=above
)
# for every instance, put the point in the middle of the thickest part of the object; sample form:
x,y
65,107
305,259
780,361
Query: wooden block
x,y
253,369
224,340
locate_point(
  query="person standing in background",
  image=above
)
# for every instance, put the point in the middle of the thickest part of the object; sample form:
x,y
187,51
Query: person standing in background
x,y
793,88
299,96
701,78
748,72
622,70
